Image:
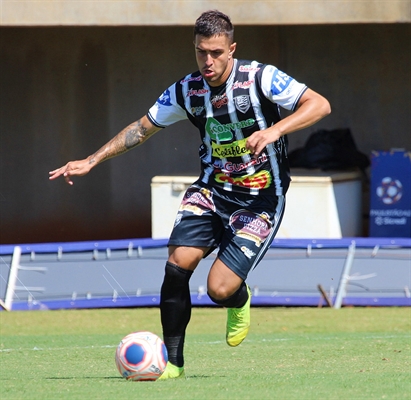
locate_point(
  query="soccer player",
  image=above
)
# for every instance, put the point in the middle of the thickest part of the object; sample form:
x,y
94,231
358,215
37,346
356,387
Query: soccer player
x,y
237,203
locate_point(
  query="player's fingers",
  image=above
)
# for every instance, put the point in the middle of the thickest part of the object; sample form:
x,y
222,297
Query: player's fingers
x,y
56,173
61,171
258,149
250,145
68,179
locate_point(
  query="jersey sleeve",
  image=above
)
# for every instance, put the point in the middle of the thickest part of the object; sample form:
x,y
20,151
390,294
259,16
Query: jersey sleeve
x,y
166,110
281,88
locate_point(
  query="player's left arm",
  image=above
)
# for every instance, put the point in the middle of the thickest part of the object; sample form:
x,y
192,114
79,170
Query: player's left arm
x,y
131,136
311,108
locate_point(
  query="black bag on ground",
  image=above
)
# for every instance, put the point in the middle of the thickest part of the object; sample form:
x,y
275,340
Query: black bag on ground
x,y
328,150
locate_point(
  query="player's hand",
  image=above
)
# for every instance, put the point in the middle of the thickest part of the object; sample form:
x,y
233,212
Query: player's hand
x,y
72,168
258,140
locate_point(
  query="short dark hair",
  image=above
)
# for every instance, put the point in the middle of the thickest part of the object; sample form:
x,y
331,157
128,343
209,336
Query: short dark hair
x,y
214,23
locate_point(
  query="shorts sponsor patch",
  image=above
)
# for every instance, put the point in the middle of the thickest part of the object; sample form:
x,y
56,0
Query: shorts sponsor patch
x,y
251,226
197,201
247,252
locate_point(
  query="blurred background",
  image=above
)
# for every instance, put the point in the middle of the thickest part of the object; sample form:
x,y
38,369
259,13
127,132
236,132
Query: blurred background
x,y
73,74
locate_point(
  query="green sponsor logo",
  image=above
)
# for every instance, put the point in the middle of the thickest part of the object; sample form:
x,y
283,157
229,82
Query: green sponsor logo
x,y
224,132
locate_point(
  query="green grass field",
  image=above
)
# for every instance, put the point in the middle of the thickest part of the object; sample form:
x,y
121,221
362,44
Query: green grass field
x,y
290,353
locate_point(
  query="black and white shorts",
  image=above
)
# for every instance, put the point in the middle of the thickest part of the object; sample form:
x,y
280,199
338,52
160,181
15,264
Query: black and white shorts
x,y
242,226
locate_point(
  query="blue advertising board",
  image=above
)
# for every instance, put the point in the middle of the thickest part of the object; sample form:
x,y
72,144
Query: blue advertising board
x,y
390,203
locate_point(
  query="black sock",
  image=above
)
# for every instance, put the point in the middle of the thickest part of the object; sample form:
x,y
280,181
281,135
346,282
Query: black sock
x,y
175,308
236,300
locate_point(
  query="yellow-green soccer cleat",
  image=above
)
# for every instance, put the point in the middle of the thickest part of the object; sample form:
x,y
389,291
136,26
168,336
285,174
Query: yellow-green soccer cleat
x,y
172,372
238,322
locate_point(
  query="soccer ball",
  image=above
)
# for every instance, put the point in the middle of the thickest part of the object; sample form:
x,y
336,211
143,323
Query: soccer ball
x,y
390,190
141,356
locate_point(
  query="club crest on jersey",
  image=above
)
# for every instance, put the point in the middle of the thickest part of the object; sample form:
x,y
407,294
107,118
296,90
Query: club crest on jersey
x,y
165,98
242,103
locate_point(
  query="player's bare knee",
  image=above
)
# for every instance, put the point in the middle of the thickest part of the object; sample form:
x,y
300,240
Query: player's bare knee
x,y
220,294
226,298
185,257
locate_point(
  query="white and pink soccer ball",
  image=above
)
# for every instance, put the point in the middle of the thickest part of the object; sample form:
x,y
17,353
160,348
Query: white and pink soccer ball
x,y
141,356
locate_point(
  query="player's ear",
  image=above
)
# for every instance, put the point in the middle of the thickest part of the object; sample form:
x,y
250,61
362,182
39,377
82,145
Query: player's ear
x,y
232,48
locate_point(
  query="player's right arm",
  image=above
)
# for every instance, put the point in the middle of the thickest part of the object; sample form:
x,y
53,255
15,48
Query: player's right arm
x,y
131,136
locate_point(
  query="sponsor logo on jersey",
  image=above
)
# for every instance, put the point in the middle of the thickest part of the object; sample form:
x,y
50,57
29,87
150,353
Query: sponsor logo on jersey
x,y
237,167
197,201
235,149
219,100
260,180
191,79
242,85
251,226
197,111
195,92
280,82
248,68
242,103
165,98
223,132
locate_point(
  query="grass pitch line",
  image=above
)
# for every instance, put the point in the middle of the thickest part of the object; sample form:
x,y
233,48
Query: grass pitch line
x,y
108,346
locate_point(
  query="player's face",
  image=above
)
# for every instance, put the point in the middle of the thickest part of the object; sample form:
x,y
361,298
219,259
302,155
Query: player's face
x,y
214,57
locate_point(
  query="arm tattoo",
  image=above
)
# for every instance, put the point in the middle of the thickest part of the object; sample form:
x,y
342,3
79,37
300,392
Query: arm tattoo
x,y
129,137
135,135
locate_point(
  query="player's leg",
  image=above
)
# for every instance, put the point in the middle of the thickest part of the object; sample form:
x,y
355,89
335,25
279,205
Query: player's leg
x,y
250,227
228,289
197,229
175,304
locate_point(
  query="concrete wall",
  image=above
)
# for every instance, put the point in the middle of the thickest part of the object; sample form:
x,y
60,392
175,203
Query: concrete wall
x,y
64,91
167,12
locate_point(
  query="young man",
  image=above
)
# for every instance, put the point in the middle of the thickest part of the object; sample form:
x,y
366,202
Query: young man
x,y
238,201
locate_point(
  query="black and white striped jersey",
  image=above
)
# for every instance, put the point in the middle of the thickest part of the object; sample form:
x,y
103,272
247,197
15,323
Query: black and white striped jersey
x,y
226,116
